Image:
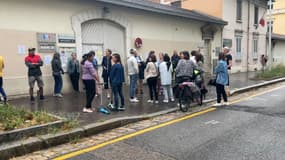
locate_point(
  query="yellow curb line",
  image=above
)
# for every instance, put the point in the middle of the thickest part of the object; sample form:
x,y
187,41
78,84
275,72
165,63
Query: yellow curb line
x,y
76,153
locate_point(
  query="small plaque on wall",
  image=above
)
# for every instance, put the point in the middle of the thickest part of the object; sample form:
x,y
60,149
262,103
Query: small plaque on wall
x,y
46,42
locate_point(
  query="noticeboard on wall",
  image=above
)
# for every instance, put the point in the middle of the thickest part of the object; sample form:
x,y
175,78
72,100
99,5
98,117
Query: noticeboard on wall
x,y
65,56
46,42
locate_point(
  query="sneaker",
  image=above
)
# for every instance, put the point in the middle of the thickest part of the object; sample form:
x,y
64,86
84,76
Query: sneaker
x,y
217,105
150,101
32,99
165,101
86,110
226,103
134,100
59,95
122,108
156,102
172,100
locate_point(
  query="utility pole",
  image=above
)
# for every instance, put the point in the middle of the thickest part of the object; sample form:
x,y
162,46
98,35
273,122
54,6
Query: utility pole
x,y
270,56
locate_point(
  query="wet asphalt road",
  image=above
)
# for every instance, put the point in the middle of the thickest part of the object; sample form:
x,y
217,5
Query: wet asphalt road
x,y
253,129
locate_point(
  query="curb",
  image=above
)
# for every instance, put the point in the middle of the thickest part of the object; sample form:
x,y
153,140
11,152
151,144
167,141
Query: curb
x,y
46,141
262,84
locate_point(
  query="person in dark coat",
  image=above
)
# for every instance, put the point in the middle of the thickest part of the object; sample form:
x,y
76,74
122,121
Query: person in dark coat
x,y
56,72
74,72
107,64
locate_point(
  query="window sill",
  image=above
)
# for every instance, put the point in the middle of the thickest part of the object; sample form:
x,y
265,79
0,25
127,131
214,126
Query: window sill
x,y
255,59
239,21
238,60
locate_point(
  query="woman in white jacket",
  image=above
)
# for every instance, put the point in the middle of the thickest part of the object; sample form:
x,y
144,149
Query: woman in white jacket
x,y
166,69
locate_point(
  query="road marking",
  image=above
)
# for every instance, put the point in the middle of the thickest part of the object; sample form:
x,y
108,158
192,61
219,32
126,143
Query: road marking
x,y
256,95
212,122
86,150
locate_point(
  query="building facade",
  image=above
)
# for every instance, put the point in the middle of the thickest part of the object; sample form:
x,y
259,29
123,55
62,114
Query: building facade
x,y
243,34
82,25
278,15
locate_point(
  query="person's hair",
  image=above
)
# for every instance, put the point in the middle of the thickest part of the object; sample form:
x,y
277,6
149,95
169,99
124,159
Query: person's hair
x,y
93,53
222,56
186,55
117,57
73,53
166,59
194,53
132,51
151,52
86,57
199,57
56,55
153,58
109,51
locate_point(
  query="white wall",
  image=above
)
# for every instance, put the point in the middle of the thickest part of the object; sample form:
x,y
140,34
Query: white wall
x,y
278,52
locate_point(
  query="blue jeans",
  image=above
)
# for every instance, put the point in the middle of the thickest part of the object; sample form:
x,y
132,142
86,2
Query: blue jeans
x,y
2,91
133,85
117,90
57,84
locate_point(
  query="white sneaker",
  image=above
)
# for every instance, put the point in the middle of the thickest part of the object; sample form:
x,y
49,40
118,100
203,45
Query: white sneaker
x,y
165,101
217,105
59,95
85,110
226,103
172,100
149,101
134,100
156,102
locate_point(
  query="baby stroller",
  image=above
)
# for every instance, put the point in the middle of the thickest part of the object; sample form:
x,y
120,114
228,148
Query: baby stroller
x,y
186,91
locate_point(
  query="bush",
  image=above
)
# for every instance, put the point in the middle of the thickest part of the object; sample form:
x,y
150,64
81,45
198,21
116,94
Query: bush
x,y
14,118
275,72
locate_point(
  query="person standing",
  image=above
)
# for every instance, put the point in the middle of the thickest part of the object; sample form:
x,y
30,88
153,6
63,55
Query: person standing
x,y
229,60
34,64
95,64
117,78
74,72
89,77
175,59
159,88
185,68
165,69
107,64
56,72
221,71
133,72
151,74
193,56
141,65
2,91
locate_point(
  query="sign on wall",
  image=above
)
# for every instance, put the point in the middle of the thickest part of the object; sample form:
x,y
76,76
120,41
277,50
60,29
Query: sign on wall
x,y
63,38
46,42
227,43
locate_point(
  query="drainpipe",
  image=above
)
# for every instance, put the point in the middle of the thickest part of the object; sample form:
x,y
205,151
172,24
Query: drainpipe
x,y
248,29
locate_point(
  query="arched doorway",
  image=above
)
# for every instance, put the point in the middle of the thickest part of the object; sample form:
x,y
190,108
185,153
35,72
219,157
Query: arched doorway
x,y
101,34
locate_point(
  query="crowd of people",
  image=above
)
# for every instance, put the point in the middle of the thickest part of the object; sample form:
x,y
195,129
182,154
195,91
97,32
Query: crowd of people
x,y
158,72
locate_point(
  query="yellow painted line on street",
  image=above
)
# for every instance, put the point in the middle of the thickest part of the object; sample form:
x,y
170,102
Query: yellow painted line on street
x,y
86,150
256,95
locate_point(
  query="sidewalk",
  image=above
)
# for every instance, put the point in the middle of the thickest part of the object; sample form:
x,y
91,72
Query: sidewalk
x,y
71,105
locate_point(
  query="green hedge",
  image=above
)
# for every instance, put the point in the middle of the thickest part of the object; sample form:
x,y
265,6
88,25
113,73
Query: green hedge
x,y
275,72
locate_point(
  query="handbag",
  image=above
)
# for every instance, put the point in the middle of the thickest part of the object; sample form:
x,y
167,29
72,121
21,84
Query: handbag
x,y
212,82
